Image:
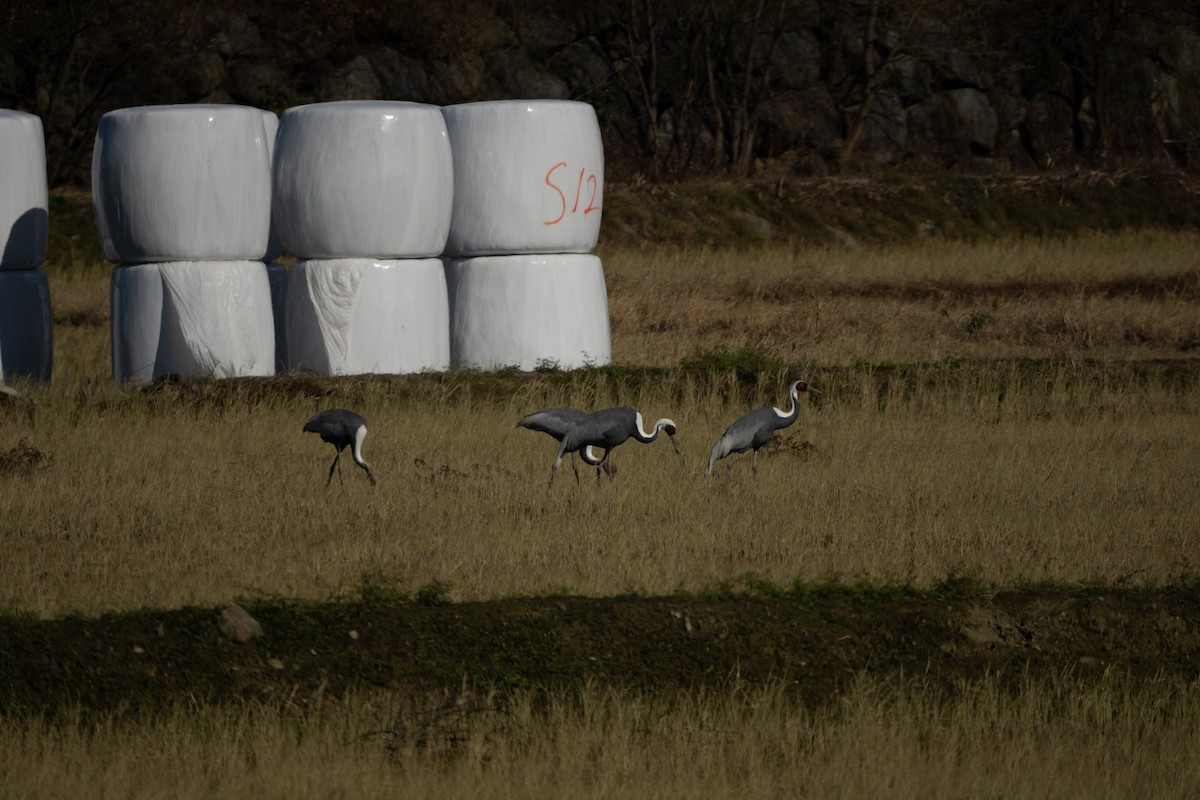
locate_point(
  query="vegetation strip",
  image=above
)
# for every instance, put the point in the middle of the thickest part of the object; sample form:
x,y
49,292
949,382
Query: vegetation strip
x,y
738,372
817,639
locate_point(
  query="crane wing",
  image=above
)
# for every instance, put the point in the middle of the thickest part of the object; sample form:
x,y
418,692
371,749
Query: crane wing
x,y
553,421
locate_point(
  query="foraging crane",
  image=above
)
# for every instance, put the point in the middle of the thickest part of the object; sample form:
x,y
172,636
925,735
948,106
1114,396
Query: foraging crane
x,y
556,422
607,429
342,429
752,430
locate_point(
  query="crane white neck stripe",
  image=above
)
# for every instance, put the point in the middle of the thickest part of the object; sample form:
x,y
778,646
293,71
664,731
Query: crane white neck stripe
x,y
359,435
779,412
640,426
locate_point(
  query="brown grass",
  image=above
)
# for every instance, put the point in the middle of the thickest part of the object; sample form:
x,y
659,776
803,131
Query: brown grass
x,y
1102,296
139,509
1078,470
1104,740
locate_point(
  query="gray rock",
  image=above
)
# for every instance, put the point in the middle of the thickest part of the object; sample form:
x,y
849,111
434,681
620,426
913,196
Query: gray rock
x,y
907,77
953,126
976,118
400,77
758,226
354,81
205,74
885,137
237,624
581,67
257,84
519,78
463,80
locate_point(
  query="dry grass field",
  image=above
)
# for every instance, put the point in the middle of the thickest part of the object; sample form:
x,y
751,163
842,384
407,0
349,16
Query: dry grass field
x,y
1052,439
1013,412
1050,738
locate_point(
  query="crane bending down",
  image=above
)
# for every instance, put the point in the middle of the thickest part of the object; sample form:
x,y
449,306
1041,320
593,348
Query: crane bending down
x,y
752,430
556,422
608,428
342,429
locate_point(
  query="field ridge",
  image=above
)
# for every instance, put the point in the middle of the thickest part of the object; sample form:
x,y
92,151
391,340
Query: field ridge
x,y
815,638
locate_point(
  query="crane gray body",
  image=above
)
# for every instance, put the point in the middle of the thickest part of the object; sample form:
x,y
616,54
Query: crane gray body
x,y
342,429
556,422
751,431
607,429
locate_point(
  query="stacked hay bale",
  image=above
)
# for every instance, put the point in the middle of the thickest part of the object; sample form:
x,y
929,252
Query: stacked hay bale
x,y
362,197
528,188
195,203
182,196
26,329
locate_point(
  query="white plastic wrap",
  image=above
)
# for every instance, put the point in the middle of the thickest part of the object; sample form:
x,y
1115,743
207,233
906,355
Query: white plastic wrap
x,y
192,319
362,179
270,128
277,278
23,194
528,177
182,183
522,310
352,316
135,319
26,325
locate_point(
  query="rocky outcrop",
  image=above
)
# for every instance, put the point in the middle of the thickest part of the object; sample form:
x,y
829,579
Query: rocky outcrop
x,y
824,85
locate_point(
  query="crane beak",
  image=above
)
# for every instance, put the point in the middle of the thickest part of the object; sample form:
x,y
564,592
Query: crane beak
x,y
671,436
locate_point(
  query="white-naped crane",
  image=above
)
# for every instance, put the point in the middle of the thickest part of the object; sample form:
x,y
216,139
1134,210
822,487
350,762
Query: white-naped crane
x,y
608,428
751,431
342,429
556,422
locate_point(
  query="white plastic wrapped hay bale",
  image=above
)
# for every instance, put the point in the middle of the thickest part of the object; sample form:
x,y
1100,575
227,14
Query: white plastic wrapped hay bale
x,y
353,316
528,177
526,310
192,319
23,194
182,183
362,179
26,325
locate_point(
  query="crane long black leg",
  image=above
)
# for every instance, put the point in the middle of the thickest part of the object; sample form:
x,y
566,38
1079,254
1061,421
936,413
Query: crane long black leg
x,y
336,456
604,465
575,467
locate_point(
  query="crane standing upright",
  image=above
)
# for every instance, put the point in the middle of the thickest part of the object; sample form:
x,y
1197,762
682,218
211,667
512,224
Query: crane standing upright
x,y
342,429
608,428
752,430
